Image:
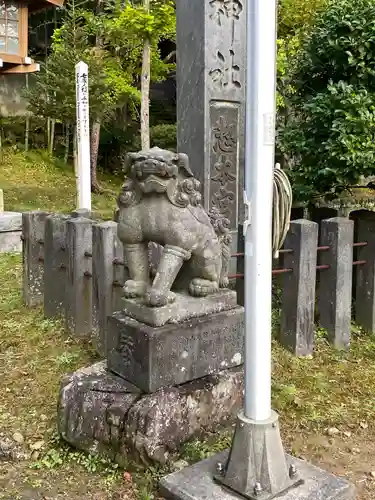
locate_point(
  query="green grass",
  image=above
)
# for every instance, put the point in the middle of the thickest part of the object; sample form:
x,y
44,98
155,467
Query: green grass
x,y
35,352
329,389
32,181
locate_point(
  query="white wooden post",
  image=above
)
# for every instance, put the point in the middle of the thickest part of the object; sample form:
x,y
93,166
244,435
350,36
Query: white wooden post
x,y
83,137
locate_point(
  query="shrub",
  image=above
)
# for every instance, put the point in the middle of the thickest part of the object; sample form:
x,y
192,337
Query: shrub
x,y
341,46
163,136
329,131
331,141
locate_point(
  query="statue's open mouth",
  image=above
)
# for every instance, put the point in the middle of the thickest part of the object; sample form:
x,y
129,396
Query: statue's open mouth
x,y
153,185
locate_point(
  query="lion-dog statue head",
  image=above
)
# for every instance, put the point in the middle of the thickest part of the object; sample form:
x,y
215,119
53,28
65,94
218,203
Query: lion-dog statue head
x,y
158,171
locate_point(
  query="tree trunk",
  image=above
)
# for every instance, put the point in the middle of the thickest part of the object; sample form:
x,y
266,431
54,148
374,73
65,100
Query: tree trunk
x,y
145,90
52,137
94,148
95,132
67,143
1,142
27,132
27,125
48,133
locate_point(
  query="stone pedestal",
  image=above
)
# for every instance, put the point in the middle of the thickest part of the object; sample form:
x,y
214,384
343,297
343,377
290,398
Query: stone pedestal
x,y
10,232
100,412
154,357
183,308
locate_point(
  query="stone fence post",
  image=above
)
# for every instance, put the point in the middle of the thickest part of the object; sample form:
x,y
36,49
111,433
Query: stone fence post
x,y
55,265
365,277
78,305
33,256
107,279
298,301
335,283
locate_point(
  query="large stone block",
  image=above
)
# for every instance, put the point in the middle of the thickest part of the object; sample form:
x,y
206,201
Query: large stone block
x,y
11,242
10,221
33,256
10,232
335,283
78,298
100,412
174,354
298,302
108,270
55,265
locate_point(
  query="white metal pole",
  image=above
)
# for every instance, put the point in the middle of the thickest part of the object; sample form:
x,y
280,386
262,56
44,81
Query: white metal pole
x,y
259,163
83,136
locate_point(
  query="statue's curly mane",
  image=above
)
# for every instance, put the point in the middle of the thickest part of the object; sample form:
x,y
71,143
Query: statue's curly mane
x,y
186,192
129,194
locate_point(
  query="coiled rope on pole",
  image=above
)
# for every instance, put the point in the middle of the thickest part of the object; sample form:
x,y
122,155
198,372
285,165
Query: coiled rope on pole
x,y
282,207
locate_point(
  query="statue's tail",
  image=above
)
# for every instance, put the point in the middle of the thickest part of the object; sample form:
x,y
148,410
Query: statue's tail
x,y
282,207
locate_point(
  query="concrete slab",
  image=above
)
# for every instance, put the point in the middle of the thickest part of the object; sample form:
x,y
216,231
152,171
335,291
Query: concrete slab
x,y
10,221
10,232
197,483
11,242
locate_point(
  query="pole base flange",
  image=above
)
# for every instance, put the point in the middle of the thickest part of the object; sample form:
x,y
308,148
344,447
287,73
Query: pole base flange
x,y
196,483
256,468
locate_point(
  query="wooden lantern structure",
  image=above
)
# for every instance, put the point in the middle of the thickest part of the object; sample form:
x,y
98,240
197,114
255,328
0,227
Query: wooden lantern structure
x,y
14,34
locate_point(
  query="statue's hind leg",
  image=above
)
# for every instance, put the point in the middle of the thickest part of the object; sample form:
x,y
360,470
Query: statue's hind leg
x,y
207,283
199,287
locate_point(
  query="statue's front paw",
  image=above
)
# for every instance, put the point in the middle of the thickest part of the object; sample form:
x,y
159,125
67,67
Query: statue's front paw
x,y
201,288
156,298
134,289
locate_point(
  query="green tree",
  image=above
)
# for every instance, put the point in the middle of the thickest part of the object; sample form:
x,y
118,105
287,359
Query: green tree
x,y
295,20
331,141
110,40
329,133
297,16
53,93
138,29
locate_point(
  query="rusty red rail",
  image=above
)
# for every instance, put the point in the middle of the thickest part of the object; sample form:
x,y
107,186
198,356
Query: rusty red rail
x,y
324,248
321,267
281,271
274,271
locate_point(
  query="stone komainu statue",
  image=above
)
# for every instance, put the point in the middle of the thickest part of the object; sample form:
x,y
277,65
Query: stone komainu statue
x,y
160,202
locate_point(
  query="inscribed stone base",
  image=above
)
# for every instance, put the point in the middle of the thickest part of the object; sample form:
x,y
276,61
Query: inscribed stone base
x,y
99,412
10,232
197,483
151,358
183,308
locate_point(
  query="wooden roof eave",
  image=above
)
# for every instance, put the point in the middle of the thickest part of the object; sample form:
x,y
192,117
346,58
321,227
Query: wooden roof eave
x,y
37,5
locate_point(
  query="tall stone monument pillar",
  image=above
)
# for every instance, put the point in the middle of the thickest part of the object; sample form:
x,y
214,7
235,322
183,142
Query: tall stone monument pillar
x,y
211,70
